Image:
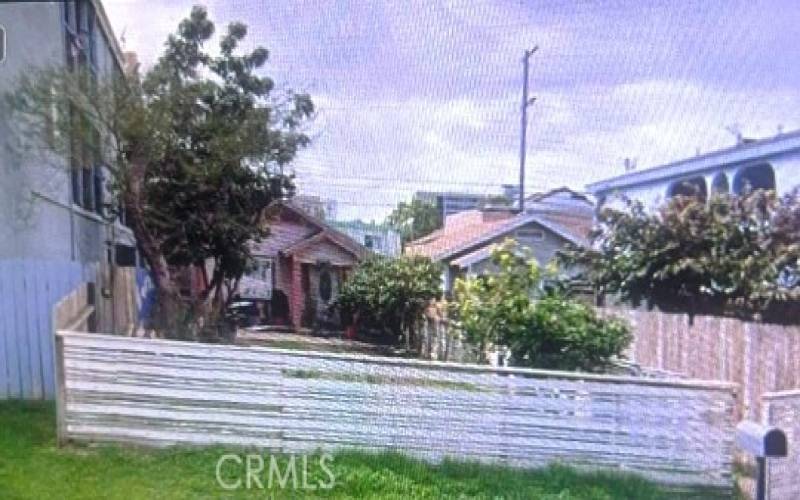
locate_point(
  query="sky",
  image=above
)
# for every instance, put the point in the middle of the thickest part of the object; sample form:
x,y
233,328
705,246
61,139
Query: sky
x,y
426,94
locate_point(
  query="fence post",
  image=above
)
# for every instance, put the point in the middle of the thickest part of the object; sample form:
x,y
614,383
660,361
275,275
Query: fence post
x,y
61,391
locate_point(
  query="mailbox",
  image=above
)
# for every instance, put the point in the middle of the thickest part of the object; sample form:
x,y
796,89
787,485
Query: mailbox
x,y
763,442
760,440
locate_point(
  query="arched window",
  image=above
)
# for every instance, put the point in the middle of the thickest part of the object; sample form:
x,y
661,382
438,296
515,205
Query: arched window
x,y
755,177
720,184
694,186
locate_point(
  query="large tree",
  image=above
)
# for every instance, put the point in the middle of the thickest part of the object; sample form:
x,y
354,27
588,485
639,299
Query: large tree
x,y
730,255
415,219
196,149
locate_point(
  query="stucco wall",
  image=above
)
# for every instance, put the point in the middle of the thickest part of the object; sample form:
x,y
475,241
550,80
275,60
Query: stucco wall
x,y
786,167
37,219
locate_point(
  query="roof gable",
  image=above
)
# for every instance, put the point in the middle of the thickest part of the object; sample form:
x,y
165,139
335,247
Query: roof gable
x,y
289,236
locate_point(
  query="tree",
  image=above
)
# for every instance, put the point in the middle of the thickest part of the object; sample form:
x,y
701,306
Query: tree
x,y
734,255
390,295
415,219
541,326
196,150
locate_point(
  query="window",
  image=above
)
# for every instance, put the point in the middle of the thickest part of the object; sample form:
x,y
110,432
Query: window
x,y
368,242
756,177
2,44
531,234
258,282
80,21
695,186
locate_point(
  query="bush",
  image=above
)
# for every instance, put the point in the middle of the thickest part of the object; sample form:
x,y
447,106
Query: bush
x,y
390,295
542,327
732,255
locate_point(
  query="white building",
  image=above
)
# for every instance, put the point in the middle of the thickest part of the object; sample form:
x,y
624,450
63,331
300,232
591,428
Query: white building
x,y
772,163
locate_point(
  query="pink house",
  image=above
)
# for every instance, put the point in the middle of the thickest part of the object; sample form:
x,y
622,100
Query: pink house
x,y
303,262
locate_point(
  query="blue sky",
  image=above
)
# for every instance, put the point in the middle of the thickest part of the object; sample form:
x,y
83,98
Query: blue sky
x,y
425,94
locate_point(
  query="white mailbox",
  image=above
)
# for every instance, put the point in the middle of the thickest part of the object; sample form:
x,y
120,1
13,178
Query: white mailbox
x,y
761,440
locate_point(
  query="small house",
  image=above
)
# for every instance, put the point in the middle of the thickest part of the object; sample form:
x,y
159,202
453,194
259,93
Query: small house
x,y
299,267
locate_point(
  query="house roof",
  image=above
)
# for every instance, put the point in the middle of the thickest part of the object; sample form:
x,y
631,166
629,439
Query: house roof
x,y
325,231
741,153
470,232
459,229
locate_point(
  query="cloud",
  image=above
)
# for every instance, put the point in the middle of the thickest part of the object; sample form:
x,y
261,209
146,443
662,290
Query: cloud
x,y
425,94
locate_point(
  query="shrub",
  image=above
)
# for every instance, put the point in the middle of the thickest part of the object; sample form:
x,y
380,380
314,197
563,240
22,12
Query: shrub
x,y
390,295
734,255
542,327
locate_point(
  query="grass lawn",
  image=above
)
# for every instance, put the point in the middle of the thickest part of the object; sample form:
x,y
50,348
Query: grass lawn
x,y
31,466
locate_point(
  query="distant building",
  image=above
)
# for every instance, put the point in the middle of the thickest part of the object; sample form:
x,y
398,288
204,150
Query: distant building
x,y
465,243
450,203
317,206
772,163
379,238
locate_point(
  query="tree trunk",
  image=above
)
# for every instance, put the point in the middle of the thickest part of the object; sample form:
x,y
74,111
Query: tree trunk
x,y
169,310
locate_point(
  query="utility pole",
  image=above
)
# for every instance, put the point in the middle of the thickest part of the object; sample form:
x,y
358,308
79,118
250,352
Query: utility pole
x,y
526,102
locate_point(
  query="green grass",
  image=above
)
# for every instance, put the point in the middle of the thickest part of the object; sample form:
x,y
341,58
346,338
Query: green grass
x,y
32,466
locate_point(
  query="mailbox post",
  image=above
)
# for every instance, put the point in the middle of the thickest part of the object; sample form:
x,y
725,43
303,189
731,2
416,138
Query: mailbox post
x,y
762,442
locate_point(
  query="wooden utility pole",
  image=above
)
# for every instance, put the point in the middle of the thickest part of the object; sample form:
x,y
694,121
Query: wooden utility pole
x,y
526,102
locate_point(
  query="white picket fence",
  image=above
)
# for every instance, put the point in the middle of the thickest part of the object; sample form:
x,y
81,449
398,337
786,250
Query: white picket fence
x,y
158,392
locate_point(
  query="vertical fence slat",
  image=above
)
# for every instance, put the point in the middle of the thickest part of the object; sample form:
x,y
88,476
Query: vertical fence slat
x,y
21,337
4,332
46,299
29,279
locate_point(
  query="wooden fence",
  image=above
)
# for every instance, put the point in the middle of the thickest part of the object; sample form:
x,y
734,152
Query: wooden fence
x,y
28,291
782,409
760,358
161,392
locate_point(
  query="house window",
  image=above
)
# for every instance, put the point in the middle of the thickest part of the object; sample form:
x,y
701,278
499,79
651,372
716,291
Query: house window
x,y
531,234
258,282
2,44
692,187
755,177
80,27
368,242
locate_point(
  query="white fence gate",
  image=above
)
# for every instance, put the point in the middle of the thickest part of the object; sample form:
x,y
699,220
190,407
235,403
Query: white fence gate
x,y
160,392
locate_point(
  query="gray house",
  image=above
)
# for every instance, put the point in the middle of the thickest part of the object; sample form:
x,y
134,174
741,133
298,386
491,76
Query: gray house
x,y
465,243
771,163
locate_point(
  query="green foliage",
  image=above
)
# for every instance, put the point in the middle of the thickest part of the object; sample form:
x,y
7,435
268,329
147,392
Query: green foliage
x,y
391,294
732,255
542,327
193,150
415,220
32,466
